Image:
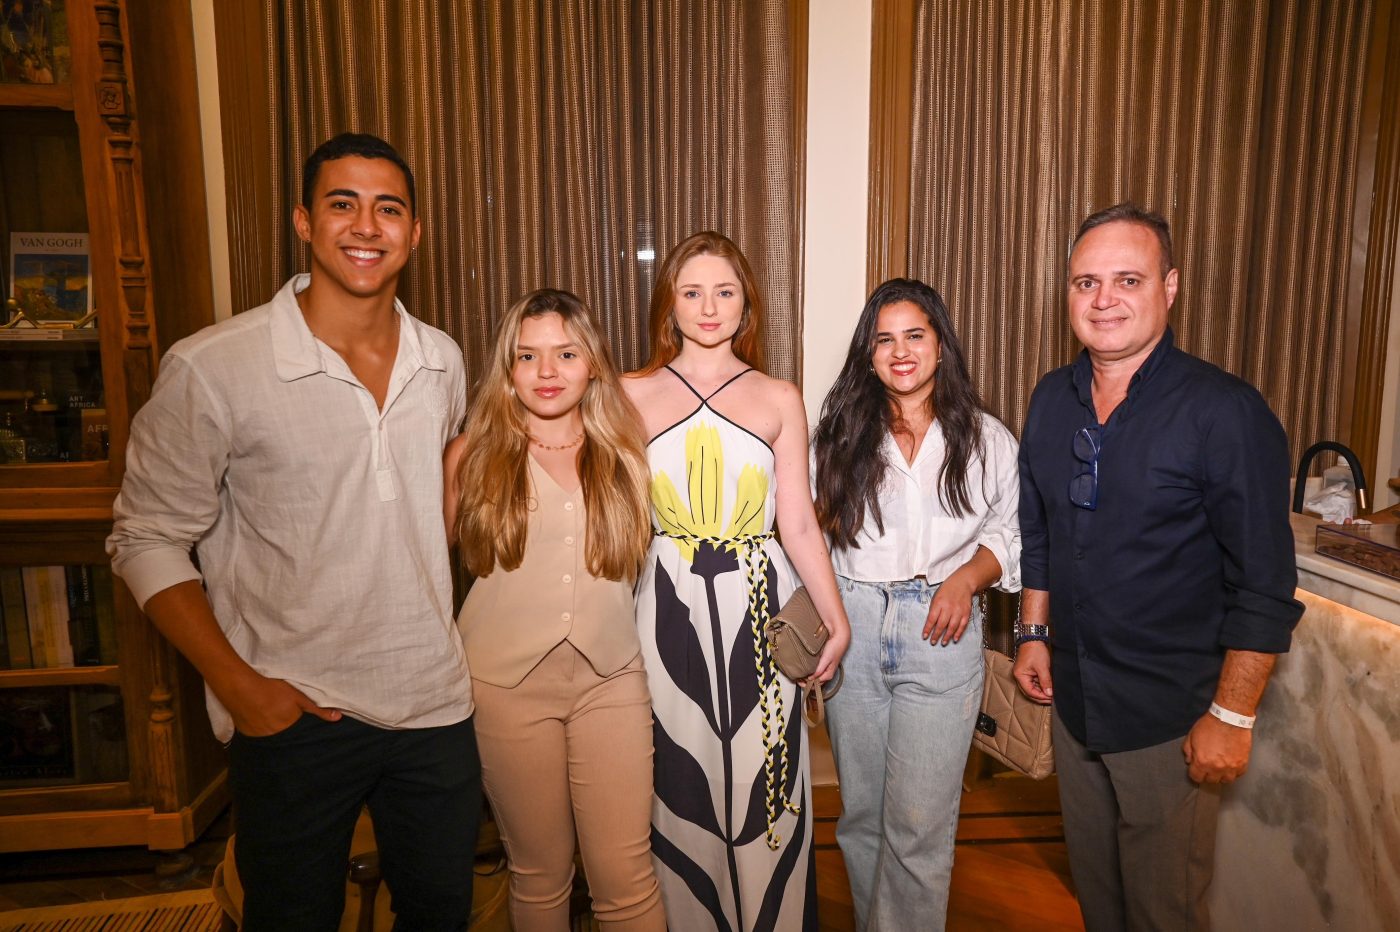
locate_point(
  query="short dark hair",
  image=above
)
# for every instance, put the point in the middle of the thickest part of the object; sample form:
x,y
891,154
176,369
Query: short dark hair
x,y
362,145
1128,212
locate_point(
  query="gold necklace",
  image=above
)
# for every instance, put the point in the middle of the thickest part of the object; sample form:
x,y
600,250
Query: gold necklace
x,y
572,443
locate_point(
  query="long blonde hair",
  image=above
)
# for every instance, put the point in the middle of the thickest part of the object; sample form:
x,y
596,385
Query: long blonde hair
x,y
493,508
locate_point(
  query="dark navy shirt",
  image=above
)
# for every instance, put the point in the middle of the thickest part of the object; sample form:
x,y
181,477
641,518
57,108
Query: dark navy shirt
x,y
1189,552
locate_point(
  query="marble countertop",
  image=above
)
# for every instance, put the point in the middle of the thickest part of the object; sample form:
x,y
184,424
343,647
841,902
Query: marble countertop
x,y
1341,582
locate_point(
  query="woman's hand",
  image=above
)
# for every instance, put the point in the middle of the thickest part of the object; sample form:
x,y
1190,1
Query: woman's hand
x,y
797,525
835,649
950,610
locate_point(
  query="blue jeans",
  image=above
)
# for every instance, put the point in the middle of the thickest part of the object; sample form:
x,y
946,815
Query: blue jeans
x,y
901,728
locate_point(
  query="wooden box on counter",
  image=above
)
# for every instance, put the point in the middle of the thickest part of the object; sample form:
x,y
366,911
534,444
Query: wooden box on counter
x,y
1374,547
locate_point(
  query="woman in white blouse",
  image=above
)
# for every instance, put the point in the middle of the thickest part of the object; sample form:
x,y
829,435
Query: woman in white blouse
x,y
916,489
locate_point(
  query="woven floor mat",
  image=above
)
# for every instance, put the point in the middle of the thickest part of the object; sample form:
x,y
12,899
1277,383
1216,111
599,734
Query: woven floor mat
x,y
186,911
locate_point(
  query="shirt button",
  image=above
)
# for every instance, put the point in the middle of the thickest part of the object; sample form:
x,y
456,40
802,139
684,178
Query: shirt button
x,y
1078,606
568,578
1079,554
569,541
568,506
566,616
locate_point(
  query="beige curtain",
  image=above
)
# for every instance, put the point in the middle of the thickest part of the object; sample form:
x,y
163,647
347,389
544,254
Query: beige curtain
x,y
1239,120
558,143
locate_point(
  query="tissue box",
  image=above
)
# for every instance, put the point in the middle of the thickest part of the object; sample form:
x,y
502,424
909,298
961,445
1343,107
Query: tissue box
x,y
1374,547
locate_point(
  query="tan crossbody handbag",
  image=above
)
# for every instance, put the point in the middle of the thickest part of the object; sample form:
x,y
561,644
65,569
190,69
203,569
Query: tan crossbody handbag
x,y
1010,727
796,637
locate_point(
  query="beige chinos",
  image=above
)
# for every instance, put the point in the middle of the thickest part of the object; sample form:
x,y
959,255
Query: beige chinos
x,y
563,719
569,751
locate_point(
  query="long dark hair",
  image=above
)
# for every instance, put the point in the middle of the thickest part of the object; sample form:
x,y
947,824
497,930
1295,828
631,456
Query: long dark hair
x,y
858,412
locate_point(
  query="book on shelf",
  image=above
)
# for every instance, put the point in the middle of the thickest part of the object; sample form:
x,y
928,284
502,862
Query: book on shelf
x,y
16,618
93,423
38,638
50,277
48,335
46,601
57,616
82,616
106,614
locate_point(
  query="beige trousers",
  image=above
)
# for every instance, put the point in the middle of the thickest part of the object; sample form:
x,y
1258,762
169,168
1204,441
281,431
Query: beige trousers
x,y
567,753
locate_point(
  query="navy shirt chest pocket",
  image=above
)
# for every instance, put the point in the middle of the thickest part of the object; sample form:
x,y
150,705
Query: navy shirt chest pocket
x,y
1155,463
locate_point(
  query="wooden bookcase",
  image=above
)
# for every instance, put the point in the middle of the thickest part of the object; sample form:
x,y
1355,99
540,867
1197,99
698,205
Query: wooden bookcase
x,y
92,153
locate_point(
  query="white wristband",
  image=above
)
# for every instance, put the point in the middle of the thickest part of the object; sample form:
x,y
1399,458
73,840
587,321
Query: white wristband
x,y
1231,718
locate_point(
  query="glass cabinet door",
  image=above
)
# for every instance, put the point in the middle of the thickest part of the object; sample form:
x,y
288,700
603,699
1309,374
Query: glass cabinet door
x,y
52,402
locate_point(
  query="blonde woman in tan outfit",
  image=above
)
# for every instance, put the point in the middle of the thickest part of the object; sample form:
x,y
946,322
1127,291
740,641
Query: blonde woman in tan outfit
x,y
546,496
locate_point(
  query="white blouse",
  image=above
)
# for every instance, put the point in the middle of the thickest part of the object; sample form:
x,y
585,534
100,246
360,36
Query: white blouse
x,y
921,537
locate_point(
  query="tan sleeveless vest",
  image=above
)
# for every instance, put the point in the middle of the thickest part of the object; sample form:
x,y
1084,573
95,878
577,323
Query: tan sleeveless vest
x,y
511,620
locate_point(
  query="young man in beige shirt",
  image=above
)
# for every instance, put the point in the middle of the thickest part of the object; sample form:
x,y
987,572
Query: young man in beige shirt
x,y
298,449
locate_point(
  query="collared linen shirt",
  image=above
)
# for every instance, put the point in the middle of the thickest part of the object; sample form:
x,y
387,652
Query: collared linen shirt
x,y
1188,554
922,537
317,517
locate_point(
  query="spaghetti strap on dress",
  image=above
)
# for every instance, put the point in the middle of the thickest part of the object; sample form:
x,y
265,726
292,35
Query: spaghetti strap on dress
x,y
731,821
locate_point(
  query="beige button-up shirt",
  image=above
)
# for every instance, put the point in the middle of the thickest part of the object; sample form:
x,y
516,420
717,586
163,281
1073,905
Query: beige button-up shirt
x,y
317,516
511,620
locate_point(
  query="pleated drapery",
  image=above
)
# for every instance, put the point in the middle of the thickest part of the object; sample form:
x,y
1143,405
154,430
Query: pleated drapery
x,y
558,143
1238,120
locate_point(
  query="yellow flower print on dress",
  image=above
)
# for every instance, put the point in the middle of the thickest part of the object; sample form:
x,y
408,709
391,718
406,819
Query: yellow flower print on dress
x,y
704,465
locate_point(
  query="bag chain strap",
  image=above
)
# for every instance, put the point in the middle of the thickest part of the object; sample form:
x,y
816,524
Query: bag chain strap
x,y
1015,626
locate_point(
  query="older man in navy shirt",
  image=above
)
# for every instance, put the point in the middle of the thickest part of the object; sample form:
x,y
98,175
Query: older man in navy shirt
x,y
1159,576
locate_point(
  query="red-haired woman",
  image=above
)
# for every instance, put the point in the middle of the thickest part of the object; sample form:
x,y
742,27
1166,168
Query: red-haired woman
x,y
731,822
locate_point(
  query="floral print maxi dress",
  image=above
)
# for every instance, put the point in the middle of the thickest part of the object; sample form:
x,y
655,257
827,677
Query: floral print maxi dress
x,y
731,820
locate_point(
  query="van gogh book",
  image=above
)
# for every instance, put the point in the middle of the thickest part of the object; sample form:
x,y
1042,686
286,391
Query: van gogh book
x,y
50,276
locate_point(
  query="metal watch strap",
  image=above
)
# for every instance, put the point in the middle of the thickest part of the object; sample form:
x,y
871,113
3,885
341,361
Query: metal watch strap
x,y
1024,633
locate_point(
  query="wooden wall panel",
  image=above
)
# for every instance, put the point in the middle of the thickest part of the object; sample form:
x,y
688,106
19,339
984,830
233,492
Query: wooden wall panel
x,y
163,69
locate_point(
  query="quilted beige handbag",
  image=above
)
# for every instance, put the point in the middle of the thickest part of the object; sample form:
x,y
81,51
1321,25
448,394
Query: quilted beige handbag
x,y
1010,727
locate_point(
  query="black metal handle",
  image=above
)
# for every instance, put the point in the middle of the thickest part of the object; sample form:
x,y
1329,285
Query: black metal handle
x,y
1305,463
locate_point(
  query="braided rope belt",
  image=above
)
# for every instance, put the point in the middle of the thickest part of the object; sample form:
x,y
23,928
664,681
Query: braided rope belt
x,y
770,688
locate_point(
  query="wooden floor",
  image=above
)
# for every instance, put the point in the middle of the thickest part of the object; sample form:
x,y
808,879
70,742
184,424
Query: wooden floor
x,y
55,878
1010,871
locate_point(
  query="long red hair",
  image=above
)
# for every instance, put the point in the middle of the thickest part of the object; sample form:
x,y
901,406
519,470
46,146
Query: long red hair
x,y
666,335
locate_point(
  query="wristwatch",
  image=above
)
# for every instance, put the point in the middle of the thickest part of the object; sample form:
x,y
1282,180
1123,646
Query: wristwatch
x,y
1023,633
